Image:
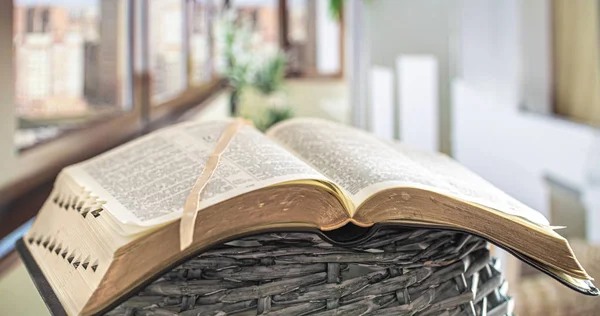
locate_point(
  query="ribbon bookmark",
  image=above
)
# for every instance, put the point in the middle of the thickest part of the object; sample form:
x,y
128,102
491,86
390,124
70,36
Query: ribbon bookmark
x,y
190,210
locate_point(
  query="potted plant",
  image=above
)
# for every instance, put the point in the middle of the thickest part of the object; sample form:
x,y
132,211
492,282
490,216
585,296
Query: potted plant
x,y
254,80
236,70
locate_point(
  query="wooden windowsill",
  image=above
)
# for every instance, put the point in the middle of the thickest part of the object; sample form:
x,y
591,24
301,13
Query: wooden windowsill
x,y
43,162
164,113
9,262
21,198
315,76
36,168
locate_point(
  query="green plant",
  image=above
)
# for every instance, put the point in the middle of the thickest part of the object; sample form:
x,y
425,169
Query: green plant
x,y
272,116
271,76
237,63
242,69
236,70
335,8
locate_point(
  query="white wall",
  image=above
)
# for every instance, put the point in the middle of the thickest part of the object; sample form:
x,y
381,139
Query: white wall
x,y
492,135
493,59
489,55
591,193
7,107
536,46
518,150
381,118
418,101
506,50
413,27
328,44
356,61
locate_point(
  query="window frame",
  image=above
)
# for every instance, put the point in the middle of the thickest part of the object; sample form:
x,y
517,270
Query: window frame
x,y
284,28
187,98
37,166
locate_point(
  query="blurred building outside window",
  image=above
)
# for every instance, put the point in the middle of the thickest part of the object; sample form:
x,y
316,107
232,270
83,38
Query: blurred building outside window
x,y
252,29
200,24
168,66
314,37
262,17
73,58
71,64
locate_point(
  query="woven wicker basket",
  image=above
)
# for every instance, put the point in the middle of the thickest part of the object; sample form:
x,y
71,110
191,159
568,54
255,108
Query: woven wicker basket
x,y
396,272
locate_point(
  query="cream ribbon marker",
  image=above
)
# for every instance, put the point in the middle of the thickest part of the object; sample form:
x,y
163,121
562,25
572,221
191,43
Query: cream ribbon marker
x,y
190,210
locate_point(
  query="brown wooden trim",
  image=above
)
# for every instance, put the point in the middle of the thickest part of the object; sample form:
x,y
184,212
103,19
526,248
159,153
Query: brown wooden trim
x,y
283,18
20,210
22,198
285,44
36,168
314,75
45,161
140,57
185,101
553,30
8,263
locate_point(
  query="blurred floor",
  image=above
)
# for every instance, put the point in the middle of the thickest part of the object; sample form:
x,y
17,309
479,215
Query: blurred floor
x,y
18,295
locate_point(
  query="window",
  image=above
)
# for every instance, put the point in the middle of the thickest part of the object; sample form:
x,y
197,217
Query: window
x,y
201,16
72,64
306,30
167,49
256,27
261,16
76,91
314,37
74,72
73,59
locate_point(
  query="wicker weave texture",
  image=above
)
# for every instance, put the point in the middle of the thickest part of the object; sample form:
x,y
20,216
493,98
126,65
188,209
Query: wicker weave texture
x,y
396,272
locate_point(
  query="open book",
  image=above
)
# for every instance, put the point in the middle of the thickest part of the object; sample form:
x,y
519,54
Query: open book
x,y
112,222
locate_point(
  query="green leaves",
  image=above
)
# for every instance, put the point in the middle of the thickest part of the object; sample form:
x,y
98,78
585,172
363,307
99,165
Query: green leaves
x,y
272,116
235,39
245,67
270,76
335,8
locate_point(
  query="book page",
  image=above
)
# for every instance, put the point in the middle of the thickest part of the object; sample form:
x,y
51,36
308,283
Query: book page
x,y
146,182
363,165
455,180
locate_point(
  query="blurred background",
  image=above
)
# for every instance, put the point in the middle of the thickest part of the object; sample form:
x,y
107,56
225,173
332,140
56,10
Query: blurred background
x,y
509,88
